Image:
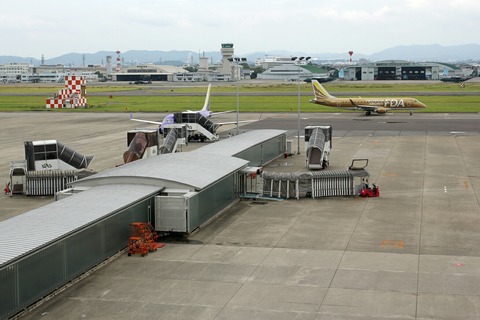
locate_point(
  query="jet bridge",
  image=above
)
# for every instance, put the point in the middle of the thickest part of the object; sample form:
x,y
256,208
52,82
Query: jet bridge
x,y
144,143
315,184
141,143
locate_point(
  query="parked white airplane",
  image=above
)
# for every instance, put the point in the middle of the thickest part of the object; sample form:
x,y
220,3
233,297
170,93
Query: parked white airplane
x,y
205,112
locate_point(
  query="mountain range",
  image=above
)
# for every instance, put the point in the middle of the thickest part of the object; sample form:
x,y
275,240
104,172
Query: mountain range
x,y
419,53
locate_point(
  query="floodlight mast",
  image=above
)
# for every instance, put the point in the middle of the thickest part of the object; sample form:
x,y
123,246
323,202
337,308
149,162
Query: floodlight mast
x,y
297,60
236,62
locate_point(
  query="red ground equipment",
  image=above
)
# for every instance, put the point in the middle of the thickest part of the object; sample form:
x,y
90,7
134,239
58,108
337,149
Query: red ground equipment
x,y
7,189
142,239
137,245
373,191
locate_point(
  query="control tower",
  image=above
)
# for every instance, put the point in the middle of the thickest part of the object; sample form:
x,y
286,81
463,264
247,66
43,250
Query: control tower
x,y
227,53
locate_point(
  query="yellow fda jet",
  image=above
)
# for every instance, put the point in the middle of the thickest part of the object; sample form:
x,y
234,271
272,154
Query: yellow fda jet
x,y
369,105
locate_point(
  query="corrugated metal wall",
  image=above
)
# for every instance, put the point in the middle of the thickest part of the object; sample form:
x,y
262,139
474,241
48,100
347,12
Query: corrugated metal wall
x,y
210,201
265,152
27,280
273,148
254,155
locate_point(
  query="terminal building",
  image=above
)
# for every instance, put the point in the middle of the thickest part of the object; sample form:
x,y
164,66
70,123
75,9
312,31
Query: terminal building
x,y
225,70
176,192
291,72
90,222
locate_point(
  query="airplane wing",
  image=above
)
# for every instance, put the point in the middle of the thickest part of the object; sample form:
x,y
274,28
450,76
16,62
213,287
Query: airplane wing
x,y
145,121
234,122
210,113
366,108
215,113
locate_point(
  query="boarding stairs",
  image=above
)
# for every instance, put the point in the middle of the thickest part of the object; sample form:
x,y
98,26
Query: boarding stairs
x,y
196,122
318,140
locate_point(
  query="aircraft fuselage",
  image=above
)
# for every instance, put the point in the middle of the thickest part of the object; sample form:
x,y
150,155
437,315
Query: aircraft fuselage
x,y
369,105
374,102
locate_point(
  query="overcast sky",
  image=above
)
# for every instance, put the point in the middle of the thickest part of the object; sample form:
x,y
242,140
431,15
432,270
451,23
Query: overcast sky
x,y
30,28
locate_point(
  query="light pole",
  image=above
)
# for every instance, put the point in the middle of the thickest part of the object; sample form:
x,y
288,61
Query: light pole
x,y
237,78
297,60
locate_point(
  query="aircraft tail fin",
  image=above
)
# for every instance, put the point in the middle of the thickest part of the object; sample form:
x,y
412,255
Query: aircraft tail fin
x,y
319,91
206,106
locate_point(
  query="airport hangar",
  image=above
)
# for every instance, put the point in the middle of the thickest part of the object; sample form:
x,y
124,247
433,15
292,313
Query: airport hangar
x,y
395,70
90,222
380,70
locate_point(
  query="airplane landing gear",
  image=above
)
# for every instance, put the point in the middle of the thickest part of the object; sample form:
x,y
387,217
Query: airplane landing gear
x,y
368,113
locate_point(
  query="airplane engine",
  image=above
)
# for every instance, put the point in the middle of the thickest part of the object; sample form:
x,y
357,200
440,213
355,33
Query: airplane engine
x,y
381,110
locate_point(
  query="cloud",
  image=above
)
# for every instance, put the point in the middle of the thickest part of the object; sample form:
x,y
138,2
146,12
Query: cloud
x,y
363,16
417,4
253,25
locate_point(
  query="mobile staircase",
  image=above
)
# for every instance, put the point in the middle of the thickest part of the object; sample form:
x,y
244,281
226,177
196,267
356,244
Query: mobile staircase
x,y
198,126
48,167
318,140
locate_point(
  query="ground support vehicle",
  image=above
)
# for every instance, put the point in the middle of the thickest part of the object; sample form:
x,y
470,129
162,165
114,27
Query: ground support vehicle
x,y
368,191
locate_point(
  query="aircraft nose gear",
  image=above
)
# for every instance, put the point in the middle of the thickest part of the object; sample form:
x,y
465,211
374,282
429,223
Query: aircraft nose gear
x,y
368,113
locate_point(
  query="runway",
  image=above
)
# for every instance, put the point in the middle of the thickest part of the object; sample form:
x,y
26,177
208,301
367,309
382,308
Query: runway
x,y
412,253
400,123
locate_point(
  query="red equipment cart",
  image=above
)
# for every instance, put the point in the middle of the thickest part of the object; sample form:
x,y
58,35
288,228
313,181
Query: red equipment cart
x,y
373,191
142,239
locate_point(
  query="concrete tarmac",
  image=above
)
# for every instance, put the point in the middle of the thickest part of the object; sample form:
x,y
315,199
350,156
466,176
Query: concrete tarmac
x,y
411,253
